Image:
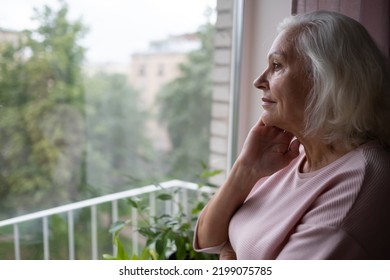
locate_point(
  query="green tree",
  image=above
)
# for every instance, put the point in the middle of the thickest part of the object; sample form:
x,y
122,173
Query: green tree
x,y
42,118
185,105
62,134
117,146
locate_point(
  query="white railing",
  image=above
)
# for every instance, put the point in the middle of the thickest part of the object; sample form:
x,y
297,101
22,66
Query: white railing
x,y
69,210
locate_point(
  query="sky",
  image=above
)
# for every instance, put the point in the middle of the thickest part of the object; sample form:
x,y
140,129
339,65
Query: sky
x,y
117,28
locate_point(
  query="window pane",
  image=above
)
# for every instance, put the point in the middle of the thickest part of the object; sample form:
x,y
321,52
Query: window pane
x,y
96,98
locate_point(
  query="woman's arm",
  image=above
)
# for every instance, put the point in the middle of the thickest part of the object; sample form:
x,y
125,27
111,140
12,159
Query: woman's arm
x,y
266,150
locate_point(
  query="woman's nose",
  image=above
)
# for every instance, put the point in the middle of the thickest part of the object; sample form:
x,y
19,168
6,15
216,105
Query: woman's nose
x,y
261,82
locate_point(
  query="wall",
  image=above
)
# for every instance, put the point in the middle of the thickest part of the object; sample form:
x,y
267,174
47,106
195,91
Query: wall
x,y
221,89
261,20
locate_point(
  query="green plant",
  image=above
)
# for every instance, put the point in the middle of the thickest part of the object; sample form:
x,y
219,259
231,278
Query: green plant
x,y
168,235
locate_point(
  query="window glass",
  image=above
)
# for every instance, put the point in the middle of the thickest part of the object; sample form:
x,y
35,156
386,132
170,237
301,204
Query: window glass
x,y
98,97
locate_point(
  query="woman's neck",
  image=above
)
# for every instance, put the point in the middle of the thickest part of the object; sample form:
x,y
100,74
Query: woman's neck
x,y
319,154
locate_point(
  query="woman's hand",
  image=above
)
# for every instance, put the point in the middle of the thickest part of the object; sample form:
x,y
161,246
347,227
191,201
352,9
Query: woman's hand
x,y
267,149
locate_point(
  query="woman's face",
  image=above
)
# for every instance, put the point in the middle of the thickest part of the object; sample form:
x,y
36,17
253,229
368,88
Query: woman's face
x,y
285,85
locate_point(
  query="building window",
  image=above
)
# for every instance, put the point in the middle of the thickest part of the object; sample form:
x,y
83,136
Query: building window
x,y
160,70
141,71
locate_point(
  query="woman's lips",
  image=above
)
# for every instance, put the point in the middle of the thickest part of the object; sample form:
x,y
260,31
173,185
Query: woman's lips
x,y
267,101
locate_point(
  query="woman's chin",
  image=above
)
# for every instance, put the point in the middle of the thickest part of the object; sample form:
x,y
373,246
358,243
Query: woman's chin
x,y
267,119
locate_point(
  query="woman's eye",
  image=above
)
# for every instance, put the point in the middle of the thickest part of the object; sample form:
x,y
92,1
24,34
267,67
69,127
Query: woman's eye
x,y
276,66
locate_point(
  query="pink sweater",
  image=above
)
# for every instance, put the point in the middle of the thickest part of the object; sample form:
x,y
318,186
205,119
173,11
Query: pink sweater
x,y
341,211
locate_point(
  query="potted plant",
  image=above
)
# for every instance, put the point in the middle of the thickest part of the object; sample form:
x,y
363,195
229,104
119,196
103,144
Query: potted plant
x,y
167,236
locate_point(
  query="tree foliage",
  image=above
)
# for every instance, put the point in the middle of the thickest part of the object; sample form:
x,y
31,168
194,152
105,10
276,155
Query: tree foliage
x,y
64,136
117,145
185,105
42,120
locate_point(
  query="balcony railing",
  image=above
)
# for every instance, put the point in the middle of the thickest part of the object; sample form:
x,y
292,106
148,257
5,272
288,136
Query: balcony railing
x,y
113,199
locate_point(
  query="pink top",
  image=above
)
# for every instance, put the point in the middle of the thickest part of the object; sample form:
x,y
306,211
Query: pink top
x,y
341,211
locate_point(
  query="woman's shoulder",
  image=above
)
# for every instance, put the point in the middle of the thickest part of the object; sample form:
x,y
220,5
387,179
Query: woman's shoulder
x,y
368,219
376,157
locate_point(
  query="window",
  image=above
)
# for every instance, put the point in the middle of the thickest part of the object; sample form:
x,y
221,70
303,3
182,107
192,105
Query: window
x,y
141,71
80,116
160,70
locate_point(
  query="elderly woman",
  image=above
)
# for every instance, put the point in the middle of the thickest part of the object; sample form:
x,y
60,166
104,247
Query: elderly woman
x,y
313,178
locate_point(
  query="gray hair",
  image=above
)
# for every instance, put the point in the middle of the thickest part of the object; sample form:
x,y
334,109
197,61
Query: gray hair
x,y
350,98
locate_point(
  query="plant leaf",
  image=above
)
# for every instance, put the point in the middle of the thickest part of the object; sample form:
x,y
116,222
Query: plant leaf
x,y
117,226
198,208
121,254
147,232
210,173
164,196
108,257
134,202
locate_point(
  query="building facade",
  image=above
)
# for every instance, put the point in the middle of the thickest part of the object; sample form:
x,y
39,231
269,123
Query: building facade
x,y
151,70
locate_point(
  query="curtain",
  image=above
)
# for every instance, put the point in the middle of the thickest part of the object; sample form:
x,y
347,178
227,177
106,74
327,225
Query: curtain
x,y
373,14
